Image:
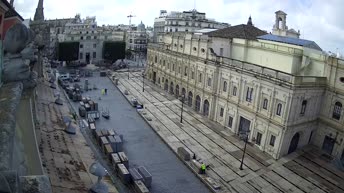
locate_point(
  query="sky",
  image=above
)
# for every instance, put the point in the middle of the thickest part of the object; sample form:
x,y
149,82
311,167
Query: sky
x,y
318,20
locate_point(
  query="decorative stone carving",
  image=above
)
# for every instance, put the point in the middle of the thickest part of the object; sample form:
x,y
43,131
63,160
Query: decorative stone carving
x,y
20,56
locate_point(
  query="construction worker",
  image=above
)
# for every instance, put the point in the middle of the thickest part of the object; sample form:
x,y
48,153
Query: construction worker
x,y
203,168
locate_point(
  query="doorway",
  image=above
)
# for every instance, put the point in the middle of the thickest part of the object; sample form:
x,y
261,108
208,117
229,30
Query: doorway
x,y
87,58
206,108
294,143
244,125
328,145
198,103
154,77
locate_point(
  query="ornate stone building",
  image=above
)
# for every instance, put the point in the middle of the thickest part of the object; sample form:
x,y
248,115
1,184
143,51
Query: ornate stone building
x,y
284,91
137,39
91,38
186,21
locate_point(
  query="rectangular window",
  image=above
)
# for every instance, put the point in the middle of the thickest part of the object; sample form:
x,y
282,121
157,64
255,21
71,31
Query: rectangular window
x,y
265,104
179,69
94,45
82,37
209,81
80,57
272,140
259,138
176,30
249,94
192,75
95,37
186,71
221,51
88,37
200,77
94,54
81,46
230,121
172,67
221,112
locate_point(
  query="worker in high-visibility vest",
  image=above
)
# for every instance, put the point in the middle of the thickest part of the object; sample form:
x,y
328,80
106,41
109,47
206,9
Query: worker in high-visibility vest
x,y
203,168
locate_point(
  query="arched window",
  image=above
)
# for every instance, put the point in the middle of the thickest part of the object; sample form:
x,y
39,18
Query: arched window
x,y
337,110
279,109
234,90
303,107
265,104
225,86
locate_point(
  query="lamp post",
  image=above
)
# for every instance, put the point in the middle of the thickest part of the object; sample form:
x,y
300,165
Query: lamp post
x,y
143,82
128,71
181,114
245,136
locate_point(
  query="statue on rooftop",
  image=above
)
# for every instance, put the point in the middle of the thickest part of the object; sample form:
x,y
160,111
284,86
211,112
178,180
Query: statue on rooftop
x,y
20,49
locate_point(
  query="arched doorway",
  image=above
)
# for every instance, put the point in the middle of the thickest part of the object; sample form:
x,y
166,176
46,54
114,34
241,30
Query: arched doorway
x,y
206,108
190,96
166,85
294,142
171,88
177,90
198,103
184,92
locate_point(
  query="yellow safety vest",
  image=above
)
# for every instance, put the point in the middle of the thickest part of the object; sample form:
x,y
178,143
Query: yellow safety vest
x,y
203,166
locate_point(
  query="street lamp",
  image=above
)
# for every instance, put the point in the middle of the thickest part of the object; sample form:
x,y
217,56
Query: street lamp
x,y
244,135
181,114
143,82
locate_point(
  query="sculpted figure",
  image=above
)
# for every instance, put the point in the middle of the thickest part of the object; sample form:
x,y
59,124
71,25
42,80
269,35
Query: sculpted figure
x,y
19,57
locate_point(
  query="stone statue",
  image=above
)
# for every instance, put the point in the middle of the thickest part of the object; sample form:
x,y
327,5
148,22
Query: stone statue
x,y
20,48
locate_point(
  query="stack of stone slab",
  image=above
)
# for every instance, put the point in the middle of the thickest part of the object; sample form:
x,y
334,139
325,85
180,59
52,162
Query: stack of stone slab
x,y
140,187
115,160
124,159
147,177
123,173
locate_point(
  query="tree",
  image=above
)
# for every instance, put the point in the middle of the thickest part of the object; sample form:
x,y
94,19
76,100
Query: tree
x,y
68,51
113,50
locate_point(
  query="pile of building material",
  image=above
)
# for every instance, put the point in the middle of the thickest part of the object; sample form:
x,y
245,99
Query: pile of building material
x,y
88,108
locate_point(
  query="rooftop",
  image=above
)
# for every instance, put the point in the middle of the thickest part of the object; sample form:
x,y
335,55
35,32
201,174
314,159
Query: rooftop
x,y
239,31
290,40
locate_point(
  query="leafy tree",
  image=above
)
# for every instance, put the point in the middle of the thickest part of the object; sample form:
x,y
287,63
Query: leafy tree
x,y
113,50
68,51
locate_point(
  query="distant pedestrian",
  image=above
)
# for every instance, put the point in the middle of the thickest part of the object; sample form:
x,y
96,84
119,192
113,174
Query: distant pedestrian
x,y
203,168
105,91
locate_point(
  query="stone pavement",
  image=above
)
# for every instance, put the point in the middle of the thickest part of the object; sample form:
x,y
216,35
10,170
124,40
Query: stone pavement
x,y
65,158
306,170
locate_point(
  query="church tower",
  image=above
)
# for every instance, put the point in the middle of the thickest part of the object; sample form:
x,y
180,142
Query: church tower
x,y
280,28
249,22
39,15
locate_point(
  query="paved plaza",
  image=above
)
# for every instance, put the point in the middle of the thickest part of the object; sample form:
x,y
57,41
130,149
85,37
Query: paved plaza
x,y
141,144
306,170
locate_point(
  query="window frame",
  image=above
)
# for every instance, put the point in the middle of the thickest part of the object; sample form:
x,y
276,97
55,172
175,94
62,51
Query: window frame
x,y
279,109
230,122
258,138
265,103
222,111
272,140
337,110
224,86
303,107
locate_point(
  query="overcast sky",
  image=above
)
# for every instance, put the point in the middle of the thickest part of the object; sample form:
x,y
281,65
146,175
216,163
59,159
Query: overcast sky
x,y
318,20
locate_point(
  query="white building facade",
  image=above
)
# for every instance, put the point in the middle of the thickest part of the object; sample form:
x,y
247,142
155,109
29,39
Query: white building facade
x,y
284,91
91,38
186,21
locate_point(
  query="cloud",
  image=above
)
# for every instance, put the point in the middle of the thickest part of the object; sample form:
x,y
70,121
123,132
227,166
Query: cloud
x,y
317,20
